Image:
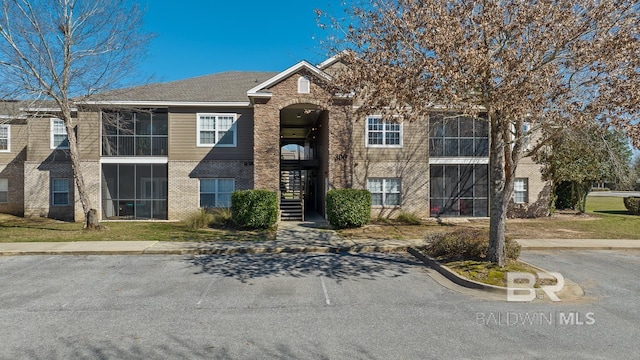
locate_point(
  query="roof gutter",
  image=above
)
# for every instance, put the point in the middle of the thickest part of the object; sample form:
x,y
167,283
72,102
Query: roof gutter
x,y
155,103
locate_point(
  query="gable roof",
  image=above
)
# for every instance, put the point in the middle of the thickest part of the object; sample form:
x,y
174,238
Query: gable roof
x,y
260,89
225,87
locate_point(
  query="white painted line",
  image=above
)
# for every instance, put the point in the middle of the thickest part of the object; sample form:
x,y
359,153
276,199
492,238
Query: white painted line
x,y
206,291
324,289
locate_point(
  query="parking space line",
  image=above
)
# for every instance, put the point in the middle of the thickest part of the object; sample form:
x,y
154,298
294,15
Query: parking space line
x,y
324,289
206,291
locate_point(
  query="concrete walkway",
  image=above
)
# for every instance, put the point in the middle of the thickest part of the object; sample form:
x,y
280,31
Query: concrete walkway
x,y
312,235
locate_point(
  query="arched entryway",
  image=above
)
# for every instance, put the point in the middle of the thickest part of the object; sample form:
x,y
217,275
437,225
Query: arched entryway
x,y
303,160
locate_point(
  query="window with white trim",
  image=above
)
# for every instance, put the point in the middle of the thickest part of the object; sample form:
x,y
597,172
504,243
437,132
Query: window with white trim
x,y
5,138
4,191
216,193
59,139
384,191
59,192
520,190
304,85
217,130
383,133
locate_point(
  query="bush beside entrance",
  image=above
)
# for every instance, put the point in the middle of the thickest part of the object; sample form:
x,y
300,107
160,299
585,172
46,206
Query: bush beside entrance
x,y
348,208
256,209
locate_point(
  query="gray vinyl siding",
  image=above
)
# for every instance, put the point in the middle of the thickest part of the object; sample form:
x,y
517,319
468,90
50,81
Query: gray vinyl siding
x,y
18,141
89,136
88,131
183,133
39,149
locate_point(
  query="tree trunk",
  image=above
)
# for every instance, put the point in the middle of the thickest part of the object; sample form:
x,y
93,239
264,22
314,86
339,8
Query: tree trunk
x,y
497,201
91,218
92,222
583,191
574,202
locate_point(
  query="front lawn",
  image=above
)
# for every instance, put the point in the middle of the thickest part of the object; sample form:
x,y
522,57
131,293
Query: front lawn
x,y
17,229
606,218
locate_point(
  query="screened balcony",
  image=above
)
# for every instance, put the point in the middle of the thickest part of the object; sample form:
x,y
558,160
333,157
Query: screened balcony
x,y
135,133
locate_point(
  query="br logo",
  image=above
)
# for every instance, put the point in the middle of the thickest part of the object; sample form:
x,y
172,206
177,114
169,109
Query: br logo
x,y
521,286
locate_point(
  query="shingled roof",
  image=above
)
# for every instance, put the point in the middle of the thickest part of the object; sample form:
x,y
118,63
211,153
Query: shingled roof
x,y
221,87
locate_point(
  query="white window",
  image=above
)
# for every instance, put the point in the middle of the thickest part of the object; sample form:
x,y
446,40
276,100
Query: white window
x,y
384,192
304,85
217,130
59,138
5,138
4,191
216,193
520,190
383,133
59,192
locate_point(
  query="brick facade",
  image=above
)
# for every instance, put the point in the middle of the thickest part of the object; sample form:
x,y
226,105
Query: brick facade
x,y
539,191
184,185
14,173
37,197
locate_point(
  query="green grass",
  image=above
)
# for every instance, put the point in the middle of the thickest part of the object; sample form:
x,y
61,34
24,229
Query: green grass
x,y
606,205
16,229
489,273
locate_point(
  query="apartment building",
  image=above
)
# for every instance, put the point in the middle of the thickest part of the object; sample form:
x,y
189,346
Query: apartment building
x,y
161,151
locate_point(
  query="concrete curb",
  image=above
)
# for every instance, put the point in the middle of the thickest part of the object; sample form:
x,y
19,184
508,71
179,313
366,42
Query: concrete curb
x,y
159,248
71,252
453,276
571,289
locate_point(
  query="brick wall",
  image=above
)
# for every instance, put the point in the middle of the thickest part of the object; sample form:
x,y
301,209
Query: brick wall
x,y
37,190
14,173
184,185
267,125
414,186
539,192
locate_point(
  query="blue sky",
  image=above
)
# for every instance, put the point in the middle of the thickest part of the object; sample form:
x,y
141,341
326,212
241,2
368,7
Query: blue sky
x,y
200,37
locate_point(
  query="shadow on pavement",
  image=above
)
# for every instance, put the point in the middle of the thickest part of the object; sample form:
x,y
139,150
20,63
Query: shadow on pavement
x,y
128,346
367,266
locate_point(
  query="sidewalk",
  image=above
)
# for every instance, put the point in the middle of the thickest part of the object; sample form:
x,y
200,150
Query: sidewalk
x,y
313,235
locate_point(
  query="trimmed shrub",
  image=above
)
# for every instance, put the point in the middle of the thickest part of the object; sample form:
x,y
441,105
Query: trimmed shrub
x,y
408,219
632,204
348,208
256,209
200,219
467,244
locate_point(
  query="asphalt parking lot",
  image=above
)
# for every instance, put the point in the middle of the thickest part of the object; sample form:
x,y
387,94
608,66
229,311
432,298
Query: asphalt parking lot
x,y
337,306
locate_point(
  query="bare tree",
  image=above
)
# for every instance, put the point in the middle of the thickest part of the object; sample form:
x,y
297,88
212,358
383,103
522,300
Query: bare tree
x,y
549,62
64,52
